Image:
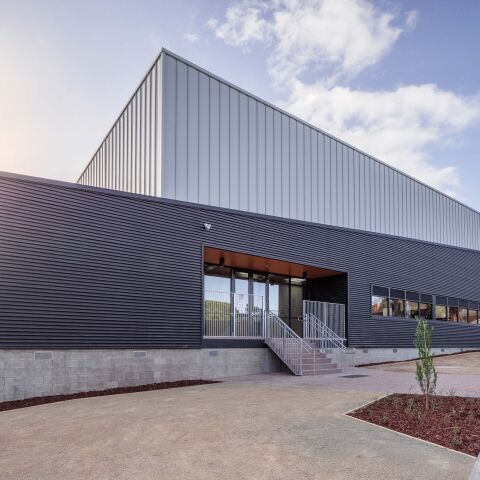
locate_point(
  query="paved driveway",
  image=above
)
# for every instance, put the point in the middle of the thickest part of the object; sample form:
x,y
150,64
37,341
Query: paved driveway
x,y
448,364
262,427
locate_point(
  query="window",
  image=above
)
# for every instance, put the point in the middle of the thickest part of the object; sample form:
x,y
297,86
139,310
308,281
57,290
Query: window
x,y
392,302
453,314
412,309
380,306
397,307
426,311
472,316
440,312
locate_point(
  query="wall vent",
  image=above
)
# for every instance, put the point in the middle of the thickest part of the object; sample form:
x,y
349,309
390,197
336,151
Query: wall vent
x,y
395,350
365,350
139,354
213,353
42,355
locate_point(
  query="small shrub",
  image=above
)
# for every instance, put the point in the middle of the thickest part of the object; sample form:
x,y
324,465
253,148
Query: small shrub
x,y
457,441
426,374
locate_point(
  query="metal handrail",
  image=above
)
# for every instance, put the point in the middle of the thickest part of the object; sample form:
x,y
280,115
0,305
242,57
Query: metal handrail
x,y
287,344
233,314
323,337
316,329
332,314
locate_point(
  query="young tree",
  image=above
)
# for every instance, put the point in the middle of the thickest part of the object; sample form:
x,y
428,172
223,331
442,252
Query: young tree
x,y
426,373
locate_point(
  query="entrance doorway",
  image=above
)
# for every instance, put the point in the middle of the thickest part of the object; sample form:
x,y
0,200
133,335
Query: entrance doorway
x,y
239,288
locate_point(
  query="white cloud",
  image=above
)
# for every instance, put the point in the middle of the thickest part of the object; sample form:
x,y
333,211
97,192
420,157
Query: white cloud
x,y
191,37
338,36
411,19
335,40
244,24
396,126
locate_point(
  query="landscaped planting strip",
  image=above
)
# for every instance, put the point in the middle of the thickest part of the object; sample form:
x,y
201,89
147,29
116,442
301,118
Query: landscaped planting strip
x,y
30,402
360,408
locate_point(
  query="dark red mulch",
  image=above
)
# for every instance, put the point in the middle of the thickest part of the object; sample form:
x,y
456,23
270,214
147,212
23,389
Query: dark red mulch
x,y
452,422
30,402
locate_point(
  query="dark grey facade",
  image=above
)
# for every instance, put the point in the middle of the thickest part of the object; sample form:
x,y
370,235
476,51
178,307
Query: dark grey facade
x,y
84,267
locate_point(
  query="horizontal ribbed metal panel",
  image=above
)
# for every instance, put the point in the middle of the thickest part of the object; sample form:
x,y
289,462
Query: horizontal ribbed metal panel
x,y
83,267
128,159
88,270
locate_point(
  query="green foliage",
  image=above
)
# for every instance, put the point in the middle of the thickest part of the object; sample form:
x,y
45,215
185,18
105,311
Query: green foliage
x,y
426,374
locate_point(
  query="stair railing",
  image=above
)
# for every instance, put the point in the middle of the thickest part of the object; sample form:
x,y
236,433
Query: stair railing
x,y
288,346
324,338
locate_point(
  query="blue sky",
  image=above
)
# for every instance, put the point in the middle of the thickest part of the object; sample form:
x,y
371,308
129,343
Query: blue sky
x,y
397,79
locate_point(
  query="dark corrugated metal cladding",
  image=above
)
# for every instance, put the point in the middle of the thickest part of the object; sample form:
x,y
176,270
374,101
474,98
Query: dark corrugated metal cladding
x,y
84,268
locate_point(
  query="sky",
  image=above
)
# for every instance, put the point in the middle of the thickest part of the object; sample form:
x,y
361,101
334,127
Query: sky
x,y
397,79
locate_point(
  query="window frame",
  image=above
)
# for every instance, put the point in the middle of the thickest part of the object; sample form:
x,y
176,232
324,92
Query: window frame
x,y
453,307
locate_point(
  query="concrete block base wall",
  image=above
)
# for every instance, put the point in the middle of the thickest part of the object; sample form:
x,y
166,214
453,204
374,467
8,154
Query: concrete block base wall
x,y
377,355
29,373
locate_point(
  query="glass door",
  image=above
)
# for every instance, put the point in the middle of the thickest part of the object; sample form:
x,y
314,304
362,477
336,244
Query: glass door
x,y
241,307
258,303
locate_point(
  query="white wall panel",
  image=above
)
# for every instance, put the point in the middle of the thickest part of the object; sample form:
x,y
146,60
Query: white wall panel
x,y
193,148
203,139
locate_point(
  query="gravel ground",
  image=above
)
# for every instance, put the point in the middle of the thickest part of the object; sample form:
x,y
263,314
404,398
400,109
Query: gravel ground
x,y
263,427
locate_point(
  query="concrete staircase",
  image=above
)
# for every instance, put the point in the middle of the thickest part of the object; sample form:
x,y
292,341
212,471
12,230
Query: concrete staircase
x,y
301,356
318,364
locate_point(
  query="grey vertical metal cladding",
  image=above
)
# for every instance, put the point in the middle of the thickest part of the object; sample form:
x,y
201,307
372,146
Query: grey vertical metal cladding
x,y
296,181
189,135
86,268
128,159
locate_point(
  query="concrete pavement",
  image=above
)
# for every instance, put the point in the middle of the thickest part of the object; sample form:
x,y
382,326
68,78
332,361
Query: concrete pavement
x,y
260,427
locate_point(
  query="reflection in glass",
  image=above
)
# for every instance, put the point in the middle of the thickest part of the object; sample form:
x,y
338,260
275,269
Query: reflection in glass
x,y
440,312
241,282
380,306
472,316
412,309
278,288
296,304
397,307
217,301
453,314
462,315
426,311
217,278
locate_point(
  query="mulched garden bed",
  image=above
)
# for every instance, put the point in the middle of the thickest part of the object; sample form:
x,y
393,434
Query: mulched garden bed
x,y
452,422
30,402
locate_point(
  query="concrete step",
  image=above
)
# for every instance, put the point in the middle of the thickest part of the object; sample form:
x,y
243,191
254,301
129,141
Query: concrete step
x,y
321,371
324,362
309,356
326,366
